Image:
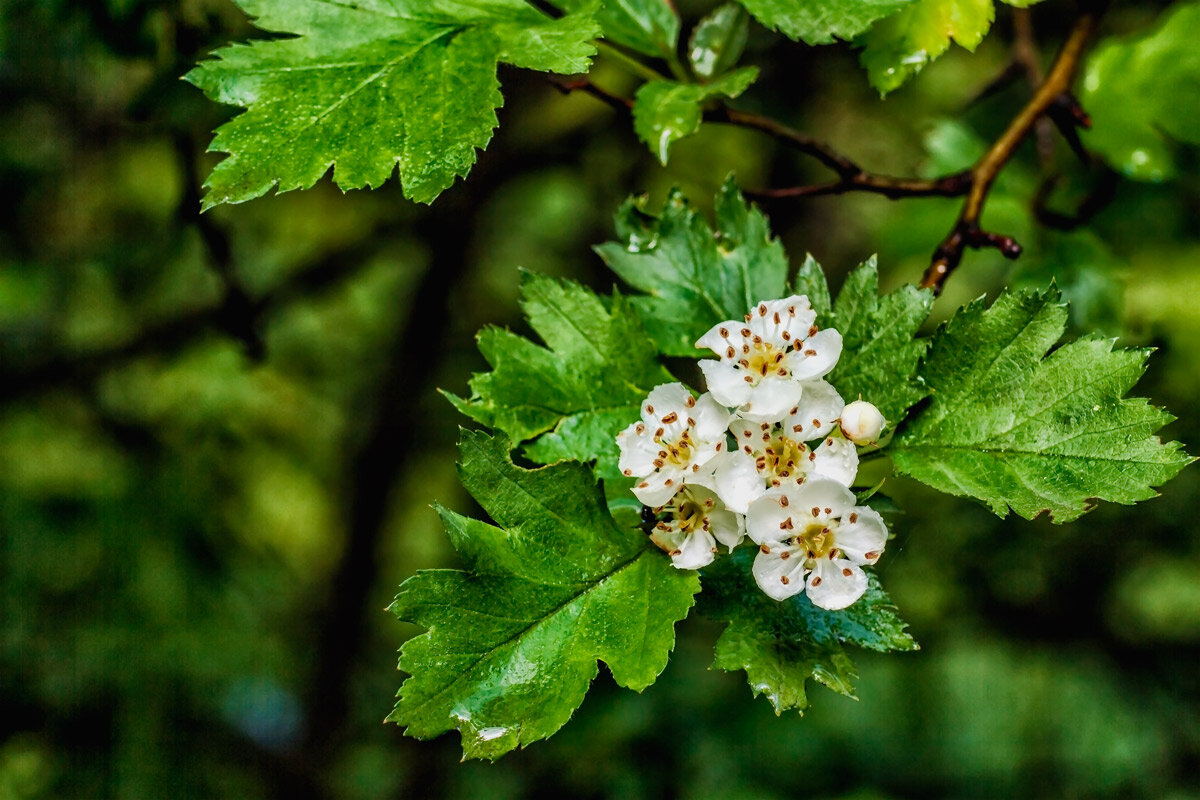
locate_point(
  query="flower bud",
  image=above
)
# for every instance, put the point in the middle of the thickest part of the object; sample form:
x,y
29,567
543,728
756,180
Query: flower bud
x,y
862,423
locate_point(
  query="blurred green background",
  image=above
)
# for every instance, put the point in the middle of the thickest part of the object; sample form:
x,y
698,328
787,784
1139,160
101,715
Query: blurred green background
x,y
220,437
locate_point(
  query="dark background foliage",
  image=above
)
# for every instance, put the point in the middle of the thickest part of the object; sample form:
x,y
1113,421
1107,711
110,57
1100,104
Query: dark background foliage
x,y
220,439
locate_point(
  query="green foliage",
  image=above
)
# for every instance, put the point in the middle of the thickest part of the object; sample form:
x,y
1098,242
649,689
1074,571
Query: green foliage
x,y
819,21
583,387
782,645
1018,429
365,88
650,27
880,349
512,644
1144,96
695,277
718,40
666,111
898,48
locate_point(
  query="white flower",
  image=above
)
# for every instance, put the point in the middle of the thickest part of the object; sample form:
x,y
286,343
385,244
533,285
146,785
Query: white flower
x,y
765,360
766,455
816,532
862,423
695,522
678,434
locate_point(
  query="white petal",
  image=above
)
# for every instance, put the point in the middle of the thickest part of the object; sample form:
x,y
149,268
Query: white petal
x,y
654,491
728,528
737,481
766,514
835,458
726,382
835,584
702,456
867,534
795,317
638,451
711,417
746,433
698,550
816,356
822,493
713,340
816,413
665,399
771,400
779,578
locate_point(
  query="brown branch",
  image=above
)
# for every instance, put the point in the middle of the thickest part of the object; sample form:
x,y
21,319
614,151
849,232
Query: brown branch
x,y
954,185
966,231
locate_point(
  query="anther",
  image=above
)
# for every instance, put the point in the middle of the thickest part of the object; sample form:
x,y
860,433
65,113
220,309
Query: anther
x,y
649,409
786,554
691,424
628,473
846,571
777,320
746,333
669,418
816,511
766,550
853,518
787,337
730,352
812,331
816,582
747,434
784,580
658,462
871,556
783,501
810,352
762,309
690,402
724,333
829,511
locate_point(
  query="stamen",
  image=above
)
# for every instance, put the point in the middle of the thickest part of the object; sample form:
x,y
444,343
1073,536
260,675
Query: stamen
x,y
784,580
766,550
730,352
649,409
812,331
810,352
783,501
762,309
628,473
746,331
690,402
724,333
669,418
746,434
871,556
846,571
829,511
785,555
816,512
787,337
853,518
777,320
816,582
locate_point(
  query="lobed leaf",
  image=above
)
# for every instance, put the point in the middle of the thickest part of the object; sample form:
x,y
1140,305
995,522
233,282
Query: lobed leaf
x,y
1018,429
512,642
820,21
650,27
694,276
782,645
666,111
898,47
367,87
581,389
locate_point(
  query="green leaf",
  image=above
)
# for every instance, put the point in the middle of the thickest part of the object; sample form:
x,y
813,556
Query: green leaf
x,y
782,645
1018,429
666,111
1144,96
696,277
718,40
900,46
880,351
366,87
513,640
584,386
819,21
650,27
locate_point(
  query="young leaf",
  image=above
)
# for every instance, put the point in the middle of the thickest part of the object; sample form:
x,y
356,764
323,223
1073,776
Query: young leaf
x,y
584,386
370,86
1144,94
513,640
782,645
666,111
880,350
1018,429
718,40
819,21
695,277
898,47
650,27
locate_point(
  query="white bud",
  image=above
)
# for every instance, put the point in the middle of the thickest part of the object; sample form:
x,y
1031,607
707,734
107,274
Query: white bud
x,y
862,423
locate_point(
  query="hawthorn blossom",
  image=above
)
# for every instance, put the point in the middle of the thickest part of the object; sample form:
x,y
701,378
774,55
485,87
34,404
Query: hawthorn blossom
x,y
677,436
767,455
862,423
696,520
765,361
814,537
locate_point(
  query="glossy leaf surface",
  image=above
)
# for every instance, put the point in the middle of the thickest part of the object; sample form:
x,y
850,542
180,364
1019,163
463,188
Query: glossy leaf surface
x,y
370,87
820,21
718,40
513,640
666,111
1018,429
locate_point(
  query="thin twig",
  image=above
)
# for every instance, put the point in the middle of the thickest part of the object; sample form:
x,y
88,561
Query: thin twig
x,y
966,231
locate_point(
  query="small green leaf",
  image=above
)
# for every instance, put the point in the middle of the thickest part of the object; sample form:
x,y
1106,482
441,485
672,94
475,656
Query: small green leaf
x,y
666,111
1018,429
650,27
696,277
820,21
366,87
513,640
1144,96
898,47
718,40
584,386
782,645
880,351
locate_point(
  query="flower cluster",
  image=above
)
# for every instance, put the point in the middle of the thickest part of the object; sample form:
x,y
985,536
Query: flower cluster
x,y
769,452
